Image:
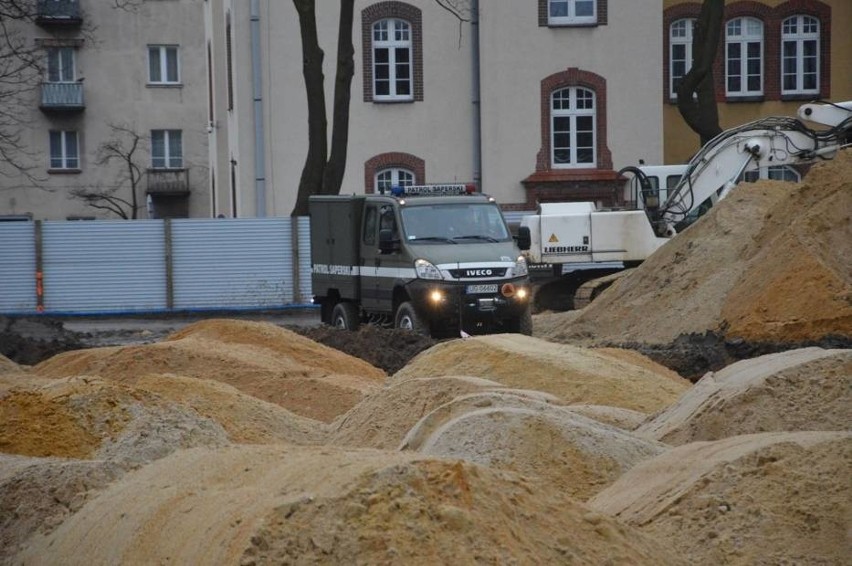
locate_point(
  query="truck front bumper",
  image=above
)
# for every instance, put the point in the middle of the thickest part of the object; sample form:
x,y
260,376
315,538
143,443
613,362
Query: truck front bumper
x,y
474,306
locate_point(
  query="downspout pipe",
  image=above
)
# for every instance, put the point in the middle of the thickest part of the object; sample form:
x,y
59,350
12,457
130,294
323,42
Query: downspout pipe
x,y
475,95
257,97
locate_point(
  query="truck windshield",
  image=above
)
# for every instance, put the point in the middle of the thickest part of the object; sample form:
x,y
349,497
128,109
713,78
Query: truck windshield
x,y
454,223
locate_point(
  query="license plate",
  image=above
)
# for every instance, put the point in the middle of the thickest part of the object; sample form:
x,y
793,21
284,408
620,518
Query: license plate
x,y
481,289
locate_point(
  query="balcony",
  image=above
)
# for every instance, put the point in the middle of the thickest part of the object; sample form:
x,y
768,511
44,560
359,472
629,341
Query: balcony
x,y
174,182
52,13
62,97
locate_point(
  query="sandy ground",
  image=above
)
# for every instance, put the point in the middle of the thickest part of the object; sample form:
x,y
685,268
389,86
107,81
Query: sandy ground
x,y
242,442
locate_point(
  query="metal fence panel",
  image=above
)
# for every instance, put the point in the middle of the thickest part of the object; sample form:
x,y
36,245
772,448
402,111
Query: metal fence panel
x,y
103,266
232,263
304,234
17,267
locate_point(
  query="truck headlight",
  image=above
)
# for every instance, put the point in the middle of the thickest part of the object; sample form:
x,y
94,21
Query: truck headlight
x,y
426,270
521,268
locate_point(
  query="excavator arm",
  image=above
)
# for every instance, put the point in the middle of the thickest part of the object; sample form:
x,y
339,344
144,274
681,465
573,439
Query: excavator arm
x,y
773,141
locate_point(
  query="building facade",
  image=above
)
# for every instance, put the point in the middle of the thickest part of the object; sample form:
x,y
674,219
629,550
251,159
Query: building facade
x,y
119,89
773,56
533,101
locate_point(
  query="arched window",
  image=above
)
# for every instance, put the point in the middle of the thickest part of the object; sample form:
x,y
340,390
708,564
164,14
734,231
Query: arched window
x,y
572,121
744,57
393,177
392,60
680,52
800,55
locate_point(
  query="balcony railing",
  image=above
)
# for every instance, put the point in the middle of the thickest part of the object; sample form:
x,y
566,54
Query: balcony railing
x,y
62,97
58,13
168,181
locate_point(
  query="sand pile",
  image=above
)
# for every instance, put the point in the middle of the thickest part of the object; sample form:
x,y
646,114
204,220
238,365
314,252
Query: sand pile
x,y
258,358
806,389
383,418
771,262
523,433
772,498
262,504
617,378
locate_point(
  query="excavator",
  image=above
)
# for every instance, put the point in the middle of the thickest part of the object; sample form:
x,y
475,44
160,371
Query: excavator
x,y
587,249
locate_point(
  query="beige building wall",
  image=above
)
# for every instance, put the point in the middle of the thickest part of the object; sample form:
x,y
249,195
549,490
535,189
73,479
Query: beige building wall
x,y
681,142
112,62
516,55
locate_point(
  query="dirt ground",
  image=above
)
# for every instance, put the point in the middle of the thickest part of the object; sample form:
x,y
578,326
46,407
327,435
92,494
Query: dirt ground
x,y
698,412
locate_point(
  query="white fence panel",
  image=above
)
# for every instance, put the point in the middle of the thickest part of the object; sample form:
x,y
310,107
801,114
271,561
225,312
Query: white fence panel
x,y
17,267
232,263
104,266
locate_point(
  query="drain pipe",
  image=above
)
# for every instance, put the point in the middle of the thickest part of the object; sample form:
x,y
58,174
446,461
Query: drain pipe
x,y
257,95
477,106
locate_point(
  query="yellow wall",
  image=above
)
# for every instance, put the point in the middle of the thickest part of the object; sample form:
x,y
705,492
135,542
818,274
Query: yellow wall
x,y
680,143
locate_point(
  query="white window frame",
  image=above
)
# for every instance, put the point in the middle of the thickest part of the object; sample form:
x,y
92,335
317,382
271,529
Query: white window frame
x,y
393,35
569,8
68,156
65,68
392,177
573,112
798,31
680,35
743,33
168,160
158,58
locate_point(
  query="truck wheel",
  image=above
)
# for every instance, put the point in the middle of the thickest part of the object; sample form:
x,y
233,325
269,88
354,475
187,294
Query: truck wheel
x,y
521,325
525,323
345,316
407,319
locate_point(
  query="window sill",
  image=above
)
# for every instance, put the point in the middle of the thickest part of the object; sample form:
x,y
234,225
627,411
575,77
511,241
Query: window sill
x,y
64,171
573,25
393,100
164,85
800,96
745,98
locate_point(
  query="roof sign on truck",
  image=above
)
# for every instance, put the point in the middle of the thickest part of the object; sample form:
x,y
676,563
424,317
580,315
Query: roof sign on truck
x,y
434,190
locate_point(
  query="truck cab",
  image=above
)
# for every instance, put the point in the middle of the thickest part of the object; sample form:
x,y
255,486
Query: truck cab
x,y
435,259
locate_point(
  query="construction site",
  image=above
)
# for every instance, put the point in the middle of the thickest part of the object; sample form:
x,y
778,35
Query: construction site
x,y
698,411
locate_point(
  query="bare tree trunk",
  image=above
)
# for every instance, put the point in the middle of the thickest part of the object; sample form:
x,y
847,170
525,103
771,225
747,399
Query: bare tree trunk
x,y
312,57
696,96
336,166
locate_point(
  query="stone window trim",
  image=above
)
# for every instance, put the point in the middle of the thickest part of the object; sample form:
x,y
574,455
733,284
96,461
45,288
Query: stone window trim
x,y
390,160
574,77
402,11
772,18
544,21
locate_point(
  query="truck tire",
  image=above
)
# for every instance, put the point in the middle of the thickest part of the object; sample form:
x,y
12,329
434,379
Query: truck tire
x,y
345,316
525,324
406,319
521,325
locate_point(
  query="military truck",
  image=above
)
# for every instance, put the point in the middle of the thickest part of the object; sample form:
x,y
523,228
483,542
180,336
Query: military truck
x,y
438,260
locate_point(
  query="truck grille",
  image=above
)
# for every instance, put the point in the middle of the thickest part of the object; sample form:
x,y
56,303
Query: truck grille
x,y
478,272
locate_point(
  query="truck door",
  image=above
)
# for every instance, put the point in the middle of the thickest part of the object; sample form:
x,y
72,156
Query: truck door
x,y
377,273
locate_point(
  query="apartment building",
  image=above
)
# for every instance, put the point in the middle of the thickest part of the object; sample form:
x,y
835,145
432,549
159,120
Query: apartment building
x,y
118,74
773,56
533,100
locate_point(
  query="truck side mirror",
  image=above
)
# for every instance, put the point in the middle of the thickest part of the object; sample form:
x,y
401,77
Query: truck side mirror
x,y
386,242
524,238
